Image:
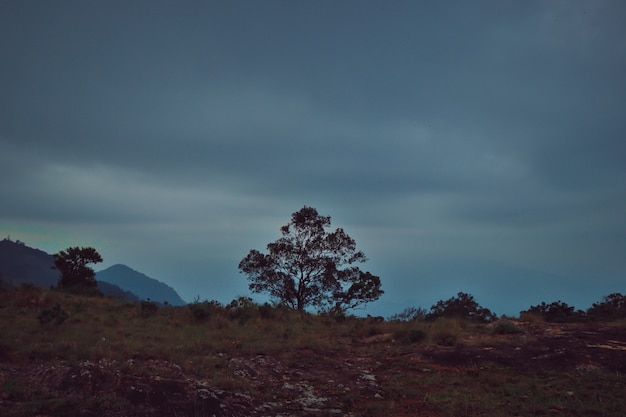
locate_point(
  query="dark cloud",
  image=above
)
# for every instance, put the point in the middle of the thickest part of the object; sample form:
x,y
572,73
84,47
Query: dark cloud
x,y
485,130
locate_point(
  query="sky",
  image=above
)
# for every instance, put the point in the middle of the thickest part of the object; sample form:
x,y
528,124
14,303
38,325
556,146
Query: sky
x,y
466,146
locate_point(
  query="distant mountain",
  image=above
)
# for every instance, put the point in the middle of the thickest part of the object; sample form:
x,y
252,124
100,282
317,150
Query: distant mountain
x,y
21,264
140,284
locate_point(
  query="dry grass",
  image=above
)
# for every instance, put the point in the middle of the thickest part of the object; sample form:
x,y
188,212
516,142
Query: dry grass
x,y
100,328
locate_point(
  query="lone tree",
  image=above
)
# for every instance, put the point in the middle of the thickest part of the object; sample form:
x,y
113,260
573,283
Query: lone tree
x,y
72,263
309,266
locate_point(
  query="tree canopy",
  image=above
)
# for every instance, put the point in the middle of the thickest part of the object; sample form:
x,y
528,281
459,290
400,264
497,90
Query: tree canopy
x,y
612,307
462,306
309,266
72,263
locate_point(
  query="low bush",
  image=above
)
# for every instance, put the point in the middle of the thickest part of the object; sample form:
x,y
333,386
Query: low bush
x,y
612,307
242,309
462,306
556,312
205,309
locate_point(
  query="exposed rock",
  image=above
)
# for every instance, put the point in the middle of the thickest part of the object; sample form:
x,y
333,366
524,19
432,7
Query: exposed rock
x,y
299,383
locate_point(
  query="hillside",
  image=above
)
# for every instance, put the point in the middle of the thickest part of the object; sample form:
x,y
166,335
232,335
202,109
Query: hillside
x,y
72,355
21,264
140,284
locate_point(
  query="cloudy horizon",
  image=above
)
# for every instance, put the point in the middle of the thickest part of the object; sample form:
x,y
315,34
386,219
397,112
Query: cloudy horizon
x,y
474,147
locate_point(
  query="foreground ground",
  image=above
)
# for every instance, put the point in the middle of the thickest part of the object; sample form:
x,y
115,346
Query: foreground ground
x,y
112,360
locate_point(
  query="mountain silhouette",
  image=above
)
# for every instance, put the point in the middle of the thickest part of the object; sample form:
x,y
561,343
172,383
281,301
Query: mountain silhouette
x,y
140,284
21,264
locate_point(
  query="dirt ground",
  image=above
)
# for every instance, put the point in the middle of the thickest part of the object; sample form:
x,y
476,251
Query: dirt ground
x,y
558,347
304,383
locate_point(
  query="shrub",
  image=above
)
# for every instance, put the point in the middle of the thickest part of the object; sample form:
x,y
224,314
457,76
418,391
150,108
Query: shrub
x,y
205,309
612,307
462,306
242,309
556,312
534,318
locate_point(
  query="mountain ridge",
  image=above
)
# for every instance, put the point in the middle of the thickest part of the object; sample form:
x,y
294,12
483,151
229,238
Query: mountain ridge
x,y
138,282
21,264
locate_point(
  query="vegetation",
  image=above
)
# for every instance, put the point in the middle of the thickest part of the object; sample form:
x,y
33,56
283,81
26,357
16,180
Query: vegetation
x,y
455,359
612,307
72,263
556,312
208,339
309,266
462,306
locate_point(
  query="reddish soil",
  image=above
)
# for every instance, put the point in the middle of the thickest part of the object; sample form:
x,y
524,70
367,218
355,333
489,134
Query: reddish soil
x,y
565,347
302,383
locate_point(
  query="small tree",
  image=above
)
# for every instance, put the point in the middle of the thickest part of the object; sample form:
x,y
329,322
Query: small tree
x,y
72,263
612,307
309,266
462,306
556,312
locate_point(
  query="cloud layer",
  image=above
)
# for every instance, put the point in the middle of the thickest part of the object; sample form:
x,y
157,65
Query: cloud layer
x,y
179,136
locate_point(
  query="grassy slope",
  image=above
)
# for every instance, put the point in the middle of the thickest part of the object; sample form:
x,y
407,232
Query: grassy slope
x,y
100,328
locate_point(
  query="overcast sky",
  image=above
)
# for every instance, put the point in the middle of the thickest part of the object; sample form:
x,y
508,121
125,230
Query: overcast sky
x,y
466,146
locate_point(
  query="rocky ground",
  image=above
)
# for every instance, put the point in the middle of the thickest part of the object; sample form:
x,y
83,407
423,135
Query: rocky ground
x,y
304,383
